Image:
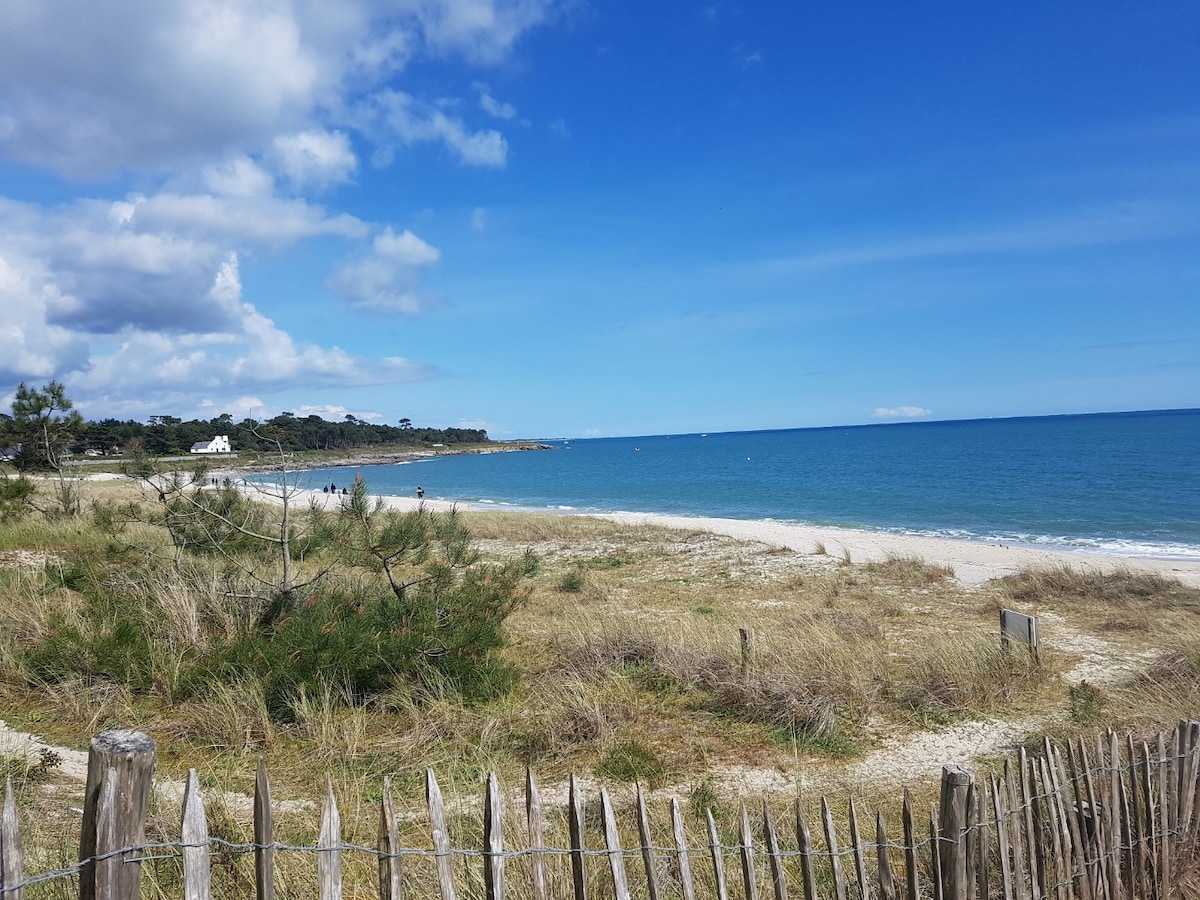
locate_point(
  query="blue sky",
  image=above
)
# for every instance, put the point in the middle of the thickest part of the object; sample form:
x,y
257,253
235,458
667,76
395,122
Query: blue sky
x,y
580,218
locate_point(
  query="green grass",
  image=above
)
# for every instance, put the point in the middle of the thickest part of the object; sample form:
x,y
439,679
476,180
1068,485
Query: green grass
x,y
632,762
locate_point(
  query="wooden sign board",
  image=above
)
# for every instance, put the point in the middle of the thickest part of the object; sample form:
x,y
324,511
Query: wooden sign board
x,y
1019,628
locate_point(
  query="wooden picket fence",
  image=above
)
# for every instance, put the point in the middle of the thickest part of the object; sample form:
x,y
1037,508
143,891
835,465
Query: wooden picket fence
x,y
1106,819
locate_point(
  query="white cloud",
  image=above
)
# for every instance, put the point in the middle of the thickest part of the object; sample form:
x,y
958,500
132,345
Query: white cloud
x,y
386,280
158,316
1084,227
315,158
491,105
147,263
30,346
238,177
901,412
164,371
269,221
89,89
483,31
333,413
391,115
225,113
478,219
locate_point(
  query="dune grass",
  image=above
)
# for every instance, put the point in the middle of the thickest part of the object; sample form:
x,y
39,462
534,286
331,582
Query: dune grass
x,y
628,654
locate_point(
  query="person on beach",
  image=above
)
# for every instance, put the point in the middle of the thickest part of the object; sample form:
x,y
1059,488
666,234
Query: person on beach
x,y
420,492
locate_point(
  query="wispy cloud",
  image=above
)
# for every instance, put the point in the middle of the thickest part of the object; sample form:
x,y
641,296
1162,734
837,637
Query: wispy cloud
x,y
901,412
491,105
1116,224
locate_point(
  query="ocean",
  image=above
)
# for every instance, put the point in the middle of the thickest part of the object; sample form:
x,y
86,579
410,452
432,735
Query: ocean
x,y
1110,483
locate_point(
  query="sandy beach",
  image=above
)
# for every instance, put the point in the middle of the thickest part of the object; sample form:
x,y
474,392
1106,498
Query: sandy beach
x,y
973,562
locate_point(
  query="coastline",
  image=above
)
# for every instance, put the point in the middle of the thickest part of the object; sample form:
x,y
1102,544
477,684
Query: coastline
x,y
973,562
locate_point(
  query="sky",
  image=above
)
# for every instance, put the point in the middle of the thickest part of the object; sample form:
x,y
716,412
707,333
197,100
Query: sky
x,y
579,218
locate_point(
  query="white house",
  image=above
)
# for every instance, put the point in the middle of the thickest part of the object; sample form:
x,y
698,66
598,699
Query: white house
x,y
219,444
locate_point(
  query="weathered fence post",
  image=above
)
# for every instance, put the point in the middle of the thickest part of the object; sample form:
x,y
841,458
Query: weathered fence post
x,y
329,847
193,835
537,839
264,836
120,767
493,840
440,836
391,873
746,640
952,838
10,846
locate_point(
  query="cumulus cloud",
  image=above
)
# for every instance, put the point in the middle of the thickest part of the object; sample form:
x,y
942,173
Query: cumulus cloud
x,y
120,312
89,89
253,354
30,346
315,158
148,262
226,114
270,221
901,412
386,280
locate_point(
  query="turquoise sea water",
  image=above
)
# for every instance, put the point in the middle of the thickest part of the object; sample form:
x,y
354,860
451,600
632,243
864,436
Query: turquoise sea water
x,y
1116,483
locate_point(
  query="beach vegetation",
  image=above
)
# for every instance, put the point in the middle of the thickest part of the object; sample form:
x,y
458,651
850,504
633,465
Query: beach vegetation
x,y
572,581
39,433
41,427
407,605
632,761
1087,704
1116,588
16,496
445,640
908,569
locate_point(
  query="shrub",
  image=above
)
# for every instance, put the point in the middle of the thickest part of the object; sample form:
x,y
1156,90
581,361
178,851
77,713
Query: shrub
x,y
1087,703
572,582
632,761
368,645
16,495
119,652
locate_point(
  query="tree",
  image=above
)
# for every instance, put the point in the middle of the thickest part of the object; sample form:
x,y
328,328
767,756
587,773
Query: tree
x,y
219,519
44,423
447,607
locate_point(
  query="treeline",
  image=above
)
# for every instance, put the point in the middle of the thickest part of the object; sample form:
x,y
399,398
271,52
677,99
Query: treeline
x,y
168,434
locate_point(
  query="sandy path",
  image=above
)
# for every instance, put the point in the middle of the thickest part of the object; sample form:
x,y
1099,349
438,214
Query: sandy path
x,y
72,767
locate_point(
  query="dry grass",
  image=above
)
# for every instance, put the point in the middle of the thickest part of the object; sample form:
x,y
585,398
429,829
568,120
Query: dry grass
x,y
1120,589
640,666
